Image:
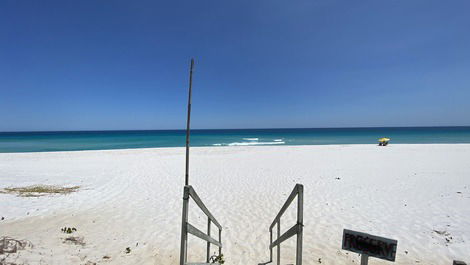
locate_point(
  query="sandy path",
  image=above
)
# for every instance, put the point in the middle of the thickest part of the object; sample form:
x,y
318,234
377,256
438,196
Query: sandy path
x,y
132,198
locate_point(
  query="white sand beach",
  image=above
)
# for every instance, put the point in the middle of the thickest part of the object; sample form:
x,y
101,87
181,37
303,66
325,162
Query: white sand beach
x,y
416,194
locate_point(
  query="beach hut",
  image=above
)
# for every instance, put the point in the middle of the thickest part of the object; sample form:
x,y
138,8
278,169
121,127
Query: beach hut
x,y
383,141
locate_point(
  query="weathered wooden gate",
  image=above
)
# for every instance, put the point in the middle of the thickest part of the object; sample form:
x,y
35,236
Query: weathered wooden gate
x,y
297,229
187,228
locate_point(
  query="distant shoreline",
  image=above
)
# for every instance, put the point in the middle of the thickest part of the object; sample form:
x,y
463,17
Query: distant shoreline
x,y
108,140
246,147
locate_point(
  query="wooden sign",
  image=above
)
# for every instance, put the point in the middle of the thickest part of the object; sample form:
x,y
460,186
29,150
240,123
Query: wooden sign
x,y
369,245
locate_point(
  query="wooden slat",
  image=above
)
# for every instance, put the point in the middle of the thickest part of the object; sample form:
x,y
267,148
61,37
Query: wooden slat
x,y
286,204
201,205
196,232
292,231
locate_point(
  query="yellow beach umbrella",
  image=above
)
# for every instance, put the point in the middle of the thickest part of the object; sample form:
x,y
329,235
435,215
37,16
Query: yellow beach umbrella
x,y
384,139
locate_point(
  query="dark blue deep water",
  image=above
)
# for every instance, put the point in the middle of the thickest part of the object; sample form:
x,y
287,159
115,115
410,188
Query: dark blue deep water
x,y
98,140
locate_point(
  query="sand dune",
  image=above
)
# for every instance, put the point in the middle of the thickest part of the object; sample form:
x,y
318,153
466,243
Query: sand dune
x,y
133,199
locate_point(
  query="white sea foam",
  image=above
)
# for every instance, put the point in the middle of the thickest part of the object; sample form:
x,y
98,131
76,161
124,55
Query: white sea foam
x,y
251,139
254,143
217,144
278,140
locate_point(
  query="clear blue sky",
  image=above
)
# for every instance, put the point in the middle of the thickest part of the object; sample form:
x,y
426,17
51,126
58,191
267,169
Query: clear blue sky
x,y
91,65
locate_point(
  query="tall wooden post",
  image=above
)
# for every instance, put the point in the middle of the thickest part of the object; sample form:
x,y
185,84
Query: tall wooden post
x,y
188,123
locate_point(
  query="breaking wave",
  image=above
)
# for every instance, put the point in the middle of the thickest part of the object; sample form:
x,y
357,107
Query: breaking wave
x,y
253,143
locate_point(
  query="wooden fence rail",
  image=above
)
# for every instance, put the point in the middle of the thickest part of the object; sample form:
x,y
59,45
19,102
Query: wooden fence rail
x,y
297,229
187,228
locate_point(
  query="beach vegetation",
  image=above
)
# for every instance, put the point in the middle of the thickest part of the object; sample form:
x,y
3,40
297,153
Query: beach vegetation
x,y
68,230
39,190
219,259
11,245
75,240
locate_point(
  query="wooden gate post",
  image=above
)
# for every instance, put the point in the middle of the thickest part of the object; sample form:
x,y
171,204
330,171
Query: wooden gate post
x,y
364,259
278,246
184,227
300,221
208,243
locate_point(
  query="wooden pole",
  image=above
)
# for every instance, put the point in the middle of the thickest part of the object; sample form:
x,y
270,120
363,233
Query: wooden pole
x,y
364,259
300,220
270,242
279,245
220,240
184,225
208,250
188,122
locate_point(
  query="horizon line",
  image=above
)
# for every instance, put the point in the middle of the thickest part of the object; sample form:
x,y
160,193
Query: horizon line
x,y
219,129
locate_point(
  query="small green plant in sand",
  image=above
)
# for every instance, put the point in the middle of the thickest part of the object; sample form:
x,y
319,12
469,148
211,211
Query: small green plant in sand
x,y
68,230
39,190
218,259
128,250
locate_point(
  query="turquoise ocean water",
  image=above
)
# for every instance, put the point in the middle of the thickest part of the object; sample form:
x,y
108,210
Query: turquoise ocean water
x,y
98,140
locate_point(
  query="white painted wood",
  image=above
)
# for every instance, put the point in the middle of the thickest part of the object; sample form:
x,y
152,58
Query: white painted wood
x,y
297,229
198,233
203,207
286,204
288,234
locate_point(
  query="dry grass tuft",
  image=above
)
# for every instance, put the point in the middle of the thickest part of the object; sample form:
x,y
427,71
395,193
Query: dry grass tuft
x,y
39,190
74,240
11,245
